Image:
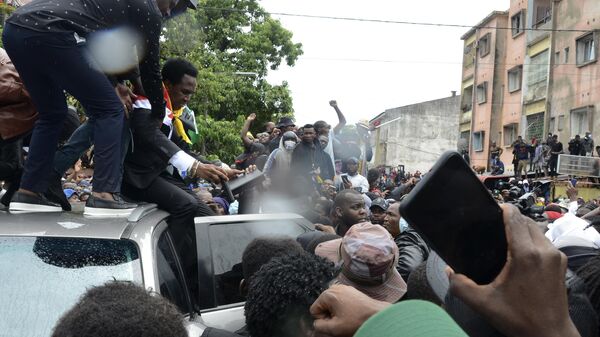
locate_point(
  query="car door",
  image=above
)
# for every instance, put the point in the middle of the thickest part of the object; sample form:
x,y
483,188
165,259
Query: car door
x,y
221,243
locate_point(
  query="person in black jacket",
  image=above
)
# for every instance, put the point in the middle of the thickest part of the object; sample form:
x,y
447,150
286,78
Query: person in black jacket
x,y
48,41
309,160
412,248
146,177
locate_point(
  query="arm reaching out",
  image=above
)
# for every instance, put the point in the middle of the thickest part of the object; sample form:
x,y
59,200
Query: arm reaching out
x,y
517,301
341,117
244,134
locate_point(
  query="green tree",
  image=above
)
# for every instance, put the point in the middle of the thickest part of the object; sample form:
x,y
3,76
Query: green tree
x,y
225,38
221,139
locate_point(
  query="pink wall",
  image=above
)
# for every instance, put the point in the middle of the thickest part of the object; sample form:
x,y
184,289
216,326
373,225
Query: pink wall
x,y
574,87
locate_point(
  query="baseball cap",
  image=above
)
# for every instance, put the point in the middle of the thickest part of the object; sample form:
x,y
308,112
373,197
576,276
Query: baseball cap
x,y
381,203
413,318
368,257
285,121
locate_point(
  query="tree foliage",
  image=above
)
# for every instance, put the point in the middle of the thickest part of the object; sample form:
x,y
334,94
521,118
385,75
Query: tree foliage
x,y
221,139
234,43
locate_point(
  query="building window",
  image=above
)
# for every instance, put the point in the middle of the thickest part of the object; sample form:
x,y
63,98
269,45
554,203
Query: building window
x,y
517,23
484,45
580,123
463,142
510,134
482,93
467,99
561,122
535,126
557,58
542,15
538,68
514,78
567,55
469,57
478,141
586,49
552,125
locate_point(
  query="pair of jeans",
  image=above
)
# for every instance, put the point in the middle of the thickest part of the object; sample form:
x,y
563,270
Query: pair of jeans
x,y
80,141
50,64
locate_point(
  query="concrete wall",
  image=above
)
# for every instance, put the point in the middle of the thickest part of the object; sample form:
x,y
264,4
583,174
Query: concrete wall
x,y
514,58
489,68
575,86
422,132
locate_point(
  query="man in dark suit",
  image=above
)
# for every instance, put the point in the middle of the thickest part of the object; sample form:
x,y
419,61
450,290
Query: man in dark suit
x,y
146,177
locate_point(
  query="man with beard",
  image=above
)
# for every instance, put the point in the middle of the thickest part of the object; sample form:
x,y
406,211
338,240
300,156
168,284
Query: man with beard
x,y
412,248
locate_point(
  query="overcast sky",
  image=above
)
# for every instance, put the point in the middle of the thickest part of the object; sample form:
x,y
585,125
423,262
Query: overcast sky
x,y
423,63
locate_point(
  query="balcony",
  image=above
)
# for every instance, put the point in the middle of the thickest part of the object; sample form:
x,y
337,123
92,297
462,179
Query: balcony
x,y
465,117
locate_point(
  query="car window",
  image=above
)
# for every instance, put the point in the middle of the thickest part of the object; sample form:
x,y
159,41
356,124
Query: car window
x,y
227,244
170,282
41,278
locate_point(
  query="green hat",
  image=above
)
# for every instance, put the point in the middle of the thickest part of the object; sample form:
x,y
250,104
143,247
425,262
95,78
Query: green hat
x,y
412,318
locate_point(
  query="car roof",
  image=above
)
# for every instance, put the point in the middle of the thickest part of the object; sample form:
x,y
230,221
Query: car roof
x,y
72,224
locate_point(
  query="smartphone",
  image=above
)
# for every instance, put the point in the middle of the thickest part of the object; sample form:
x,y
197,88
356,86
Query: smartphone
x,y
459,219
345,179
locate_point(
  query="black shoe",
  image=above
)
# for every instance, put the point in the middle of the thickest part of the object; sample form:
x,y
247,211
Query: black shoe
x,y
131,201
26,203
108,208
55,192
13,186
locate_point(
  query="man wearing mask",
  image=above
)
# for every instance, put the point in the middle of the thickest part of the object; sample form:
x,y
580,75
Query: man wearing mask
x,y
413,249
285,124
277,168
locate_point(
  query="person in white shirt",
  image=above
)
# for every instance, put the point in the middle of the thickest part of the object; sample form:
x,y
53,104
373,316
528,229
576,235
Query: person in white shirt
x,y
353,180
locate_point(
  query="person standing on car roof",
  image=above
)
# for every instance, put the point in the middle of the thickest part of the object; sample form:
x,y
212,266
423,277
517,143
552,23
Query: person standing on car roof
x,y
48,43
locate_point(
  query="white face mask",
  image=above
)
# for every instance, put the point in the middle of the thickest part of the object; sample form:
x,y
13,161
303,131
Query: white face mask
x,y
289,144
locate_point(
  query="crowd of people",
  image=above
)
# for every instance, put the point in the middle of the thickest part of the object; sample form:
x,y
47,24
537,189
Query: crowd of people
x,y
541,158
372,274
365,271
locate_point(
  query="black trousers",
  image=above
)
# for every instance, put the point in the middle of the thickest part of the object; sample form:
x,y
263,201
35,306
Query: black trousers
x,y
11,167
50,64
553,163
171,195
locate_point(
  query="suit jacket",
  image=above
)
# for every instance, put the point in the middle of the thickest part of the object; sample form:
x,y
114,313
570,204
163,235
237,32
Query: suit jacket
x,y
150,151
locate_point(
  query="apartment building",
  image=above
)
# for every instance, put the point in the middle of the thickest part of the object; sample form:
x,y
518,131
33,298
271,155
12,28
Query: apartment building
x,y
482,80
545,75
575,72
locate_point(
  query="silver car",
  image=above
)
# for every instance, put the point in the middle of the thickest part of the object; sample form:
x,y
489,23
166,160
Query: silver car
x,y
47,261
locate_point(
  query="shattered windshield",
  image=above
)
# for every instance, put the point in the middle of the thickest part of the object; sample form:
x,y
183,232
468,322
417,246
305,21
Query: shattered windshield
x,y
41,278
